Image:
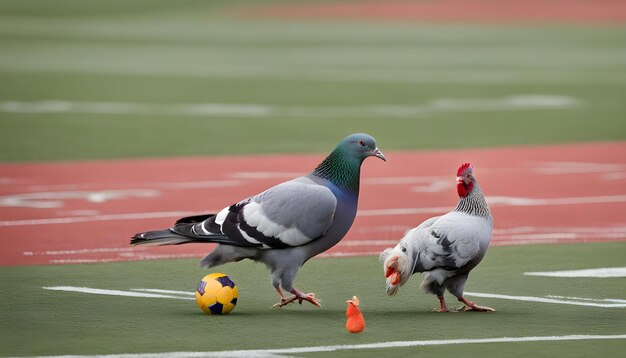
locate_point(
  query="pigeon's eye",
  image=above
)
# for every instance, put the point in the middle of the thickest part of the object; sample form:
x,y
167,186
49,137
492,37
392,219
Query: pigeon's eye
x,y
404,249
362,143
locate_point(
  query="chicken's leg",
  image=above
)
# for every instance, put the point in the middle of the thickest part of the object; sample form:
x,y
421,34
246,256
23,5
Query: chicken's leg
x,y
442,305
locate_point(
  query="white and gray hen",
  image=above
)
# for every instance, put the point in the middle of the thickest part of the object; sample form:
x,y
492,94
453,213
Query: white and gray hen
x,y
444,248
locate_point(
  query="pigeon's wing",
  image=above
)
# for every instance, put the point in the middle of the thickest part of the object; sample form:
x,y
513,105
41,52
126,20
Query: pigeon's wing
x,y
290,214
451,242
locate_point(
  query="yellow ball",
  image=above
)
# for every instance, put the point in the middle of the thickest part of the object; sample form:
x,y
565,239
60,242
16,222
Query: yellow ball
x,y
217,294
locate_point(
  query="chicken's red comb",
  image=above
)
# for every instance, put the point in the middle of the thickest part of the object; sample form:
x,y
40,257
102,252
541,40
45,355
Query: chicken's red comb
x,y
463,168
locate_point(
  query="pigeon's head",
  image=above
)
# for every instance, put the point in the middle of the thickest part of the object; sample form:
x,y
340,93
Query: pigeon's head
x,y
465,180
361,146
398,264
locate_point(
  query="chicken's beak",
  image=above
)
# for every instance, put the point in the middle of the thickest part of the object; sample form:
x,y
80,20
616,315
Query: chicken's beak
x,y
354,301
378,154
392,273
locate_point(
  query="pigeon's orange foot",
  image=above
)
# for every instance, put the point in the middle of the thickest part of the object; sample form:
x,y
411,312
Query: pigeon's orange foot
x,y
285,302
299,296
310,297
471,306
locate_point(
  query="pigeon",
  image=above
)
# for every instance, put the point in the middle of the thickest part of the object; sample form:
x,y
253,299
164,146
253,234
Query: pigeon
x,y
285,225
355,322
445,248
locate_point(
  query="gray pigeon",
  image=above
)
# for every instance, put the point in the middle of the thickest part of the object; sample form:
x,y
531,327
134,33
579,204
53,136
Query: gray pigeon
x,y
444,248
285,225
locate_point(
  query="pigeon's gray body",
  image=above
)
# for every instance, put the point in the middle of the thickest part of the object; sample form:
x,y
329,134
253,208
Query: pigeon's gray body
x,y
285,225
324,217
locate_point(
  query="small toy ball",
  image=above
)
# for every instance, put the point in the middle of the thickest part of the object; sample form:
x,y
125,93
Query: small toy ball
x,y
217,294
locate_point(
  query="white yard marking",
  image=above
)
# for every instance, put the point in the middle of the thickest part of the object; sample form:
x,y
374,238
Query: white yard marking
x,y
97,250
280,352
159,293
97,291
515,201
106,217
616,300
517,102
564,168
125,258
368,242
403,211
199,184
171,292
546,300
45,200
493,201
593,273
266,175
56,199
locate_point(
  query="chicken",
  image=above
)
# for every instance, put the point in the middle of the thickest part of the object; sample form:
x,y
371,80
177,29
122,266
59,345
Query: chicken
x,y
355,322
445,248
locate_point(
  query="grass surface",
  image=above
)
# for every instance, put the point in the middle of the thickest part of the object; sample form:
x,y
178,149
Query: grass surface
x,y
319,80
308,84
38,322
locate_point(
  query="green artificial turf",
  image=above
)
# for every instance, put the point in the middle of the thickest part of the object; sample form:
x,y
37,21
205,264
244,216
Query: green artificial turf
x,y
320,79
40,322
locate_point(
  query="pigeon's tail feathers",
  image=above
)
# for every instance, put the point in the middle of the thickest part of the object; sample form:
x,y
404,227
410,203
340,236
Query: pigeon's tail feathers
x,y
200,229
159,237
194,219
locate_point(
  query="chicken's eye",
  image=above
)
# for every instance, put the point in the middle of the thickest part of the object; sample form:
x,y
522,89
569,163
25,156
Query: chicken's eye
x,y
404,249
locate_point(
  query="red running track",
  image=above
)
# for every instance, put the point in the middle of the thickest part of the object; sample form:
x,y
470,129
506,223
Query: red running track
x,y
600,12
81,212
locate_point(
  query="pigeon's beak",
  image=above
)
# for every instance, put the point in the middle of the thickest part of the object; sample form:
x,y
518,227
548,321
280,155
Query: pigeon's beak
x,y
378,154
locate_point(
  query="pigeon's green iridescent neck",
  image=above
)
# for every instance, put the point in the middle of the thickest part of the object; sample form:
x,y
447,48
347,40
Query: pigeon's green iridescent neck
x,y
341,168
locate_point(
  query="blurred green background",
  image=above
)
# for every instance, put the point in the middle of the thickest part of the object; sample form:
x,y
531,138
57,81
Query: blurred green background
x,y
115,79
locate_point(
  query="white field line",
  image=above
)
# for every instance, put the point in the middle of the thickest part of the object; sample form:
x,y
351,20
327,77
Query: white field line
x,y
106,217
157,293
46,200
493,201
219,110
280,352
513,201
97,291
589,299
595,273
561,168
169,292
349,254
161,185
97,250
125,258
539,237
546,300
361,74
